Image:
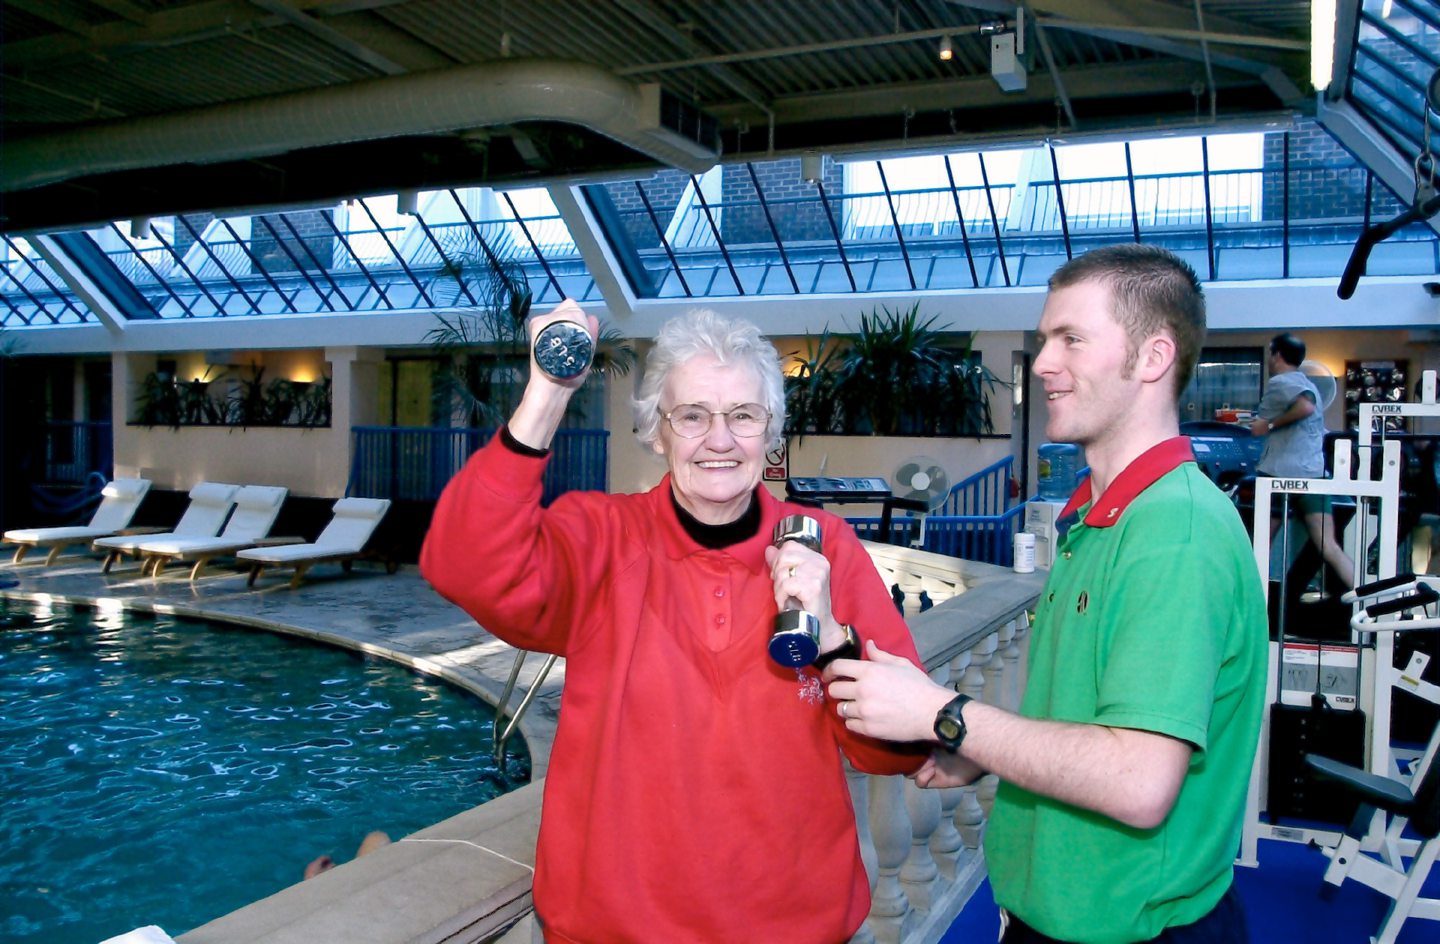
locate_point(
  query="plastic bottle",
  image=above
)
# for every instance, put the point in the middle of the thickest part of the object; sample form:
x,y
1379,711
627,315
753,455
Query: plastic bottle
x,y
1024,552
1056,470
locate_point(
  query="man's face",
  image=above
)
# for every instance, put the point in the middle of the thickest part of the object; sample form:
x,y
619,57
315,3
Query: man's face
x,y
1089,387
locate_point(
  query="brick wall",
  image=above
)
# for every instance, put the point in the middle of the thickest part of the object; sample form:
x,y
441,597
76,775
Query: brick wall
x,y
183,239
794,204
318,238
663,193
1326,182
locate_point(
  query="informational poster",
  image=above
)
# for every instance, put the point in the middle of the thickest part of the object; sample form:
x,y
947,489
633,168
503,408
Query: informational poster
x,y
777,464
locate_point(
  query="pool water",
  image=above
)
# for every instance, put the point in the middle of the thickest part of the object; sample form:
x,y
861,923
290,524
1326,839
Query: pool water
x,y
164,771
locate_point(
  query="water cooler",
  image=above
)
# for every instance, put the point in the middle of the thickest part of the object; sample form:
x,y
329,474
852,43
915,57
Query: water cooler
x,y
1040,518
1057,467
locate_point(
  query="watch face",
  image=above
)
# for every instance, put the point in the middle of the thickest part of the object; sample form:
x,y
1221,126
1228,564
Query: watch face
x,y
947,728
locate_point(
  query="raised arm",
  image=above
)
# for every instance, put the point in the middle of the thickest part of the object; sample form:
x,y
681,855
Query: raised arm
x,y
522,571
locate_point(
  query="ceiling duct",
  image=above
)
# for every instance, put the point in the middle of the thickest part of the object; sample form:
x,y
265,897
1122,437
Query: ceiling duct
x,y
642,117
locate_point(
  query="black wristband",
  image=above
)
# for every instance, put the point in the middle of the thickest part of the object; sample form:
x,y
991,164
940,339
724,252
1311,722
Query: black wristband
x,y
516,446
849,649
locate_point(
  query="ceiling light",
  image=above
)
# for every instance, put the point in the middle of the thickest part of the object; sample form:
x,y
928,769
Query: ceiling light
x,y
812,167
1322,42
947,49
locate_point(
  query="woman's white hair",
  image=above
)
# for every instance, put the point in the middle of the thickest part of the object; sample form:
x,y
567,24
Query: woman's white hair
x,y
731,341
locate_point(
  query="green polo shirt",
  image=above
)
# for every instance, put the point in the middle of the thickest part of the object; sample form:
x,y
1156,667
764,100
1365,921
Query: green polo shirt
x,y
1152,618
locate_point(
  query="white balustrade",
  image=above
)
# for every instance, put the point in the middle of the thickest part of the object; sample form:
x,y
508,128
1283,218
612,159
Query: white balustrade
x,y
925,844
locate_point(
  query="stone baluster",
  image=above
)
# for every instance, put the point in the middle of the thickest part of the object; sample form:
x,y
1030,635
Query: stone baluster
x,y
969,814
1022,645
910,584
859,784
890,913
920,875
939,590
1013,656
973,684
946,842
996,693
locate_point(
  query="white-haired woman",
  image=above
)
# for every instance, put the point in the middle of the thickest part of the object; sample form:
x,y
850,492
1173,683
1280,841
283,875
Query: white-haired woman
x,y
695,792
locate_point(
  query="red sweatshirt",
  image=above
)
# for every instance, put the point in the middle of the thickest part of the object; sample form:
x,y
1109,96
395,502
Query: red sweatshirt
x,y
695,790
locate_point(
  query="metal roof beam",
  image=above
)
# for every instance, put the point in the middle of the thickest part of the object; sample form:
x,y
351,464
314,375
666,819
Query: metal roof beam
x,y
331,36
183,24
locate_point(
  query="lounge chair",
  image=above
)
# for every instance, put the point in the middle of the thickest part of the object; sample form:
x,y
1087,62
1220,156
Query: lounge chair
x,y
210,505
343,540
119,501
256,507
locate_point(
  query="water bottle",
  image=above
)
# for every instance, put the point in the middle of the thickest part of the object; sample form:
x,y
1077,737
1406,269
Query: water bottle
x,y
1024,552
1056,470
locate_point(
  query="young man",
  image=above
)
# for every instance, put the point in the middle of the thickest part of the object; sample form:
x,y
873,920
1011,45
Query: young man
x,y
1123,777
1289,418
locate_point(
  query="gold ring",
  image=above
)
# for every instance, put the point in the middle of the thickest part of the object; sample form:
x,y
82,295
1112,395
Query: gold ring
x,y
792,572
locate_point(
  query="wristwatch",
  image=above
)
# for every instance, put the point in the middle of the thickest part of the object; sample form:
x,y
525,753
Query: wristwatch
x,y
950,723
849,649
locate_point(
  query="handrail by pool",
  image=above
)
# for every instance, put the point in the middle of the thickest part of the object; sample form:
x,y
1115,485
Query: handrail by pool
x,y
502,705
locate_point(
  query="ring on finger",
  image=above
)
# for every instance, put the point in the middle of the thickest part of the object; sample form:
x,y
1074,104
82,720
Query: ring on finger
x,y
845,709
792,571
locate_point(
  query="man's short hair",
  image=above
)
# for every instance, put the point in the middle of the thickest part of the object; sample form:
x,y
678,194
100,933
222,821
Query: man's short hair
x,y
1153,290
1290,348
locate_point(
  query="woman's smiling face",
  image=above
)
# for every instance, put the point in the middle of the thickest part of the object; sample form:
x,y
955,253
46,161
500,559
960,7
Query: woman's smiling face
x,y
712,475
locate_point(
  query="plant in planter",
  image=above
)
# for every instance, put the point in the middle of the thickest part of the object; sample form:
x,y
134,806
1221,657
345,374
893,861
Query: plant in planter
x,y
484,352
888,373
196,406
811,404
159,401
312,403
897,375
247,404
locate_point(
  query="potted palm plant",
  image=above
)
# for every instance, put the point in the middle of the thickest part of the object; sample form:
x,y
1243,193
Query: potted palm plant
x,y
483,351
898,375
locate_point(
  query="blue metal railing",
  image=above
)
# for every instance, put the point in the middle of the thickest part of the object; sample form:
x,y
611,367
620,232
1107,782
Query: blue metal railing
x,y
977,520
75,450
414,463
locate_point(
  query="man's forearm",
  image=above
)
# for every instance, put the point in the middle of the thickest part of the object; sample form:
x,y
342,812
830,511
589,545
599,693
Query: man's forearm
x,y
1128,775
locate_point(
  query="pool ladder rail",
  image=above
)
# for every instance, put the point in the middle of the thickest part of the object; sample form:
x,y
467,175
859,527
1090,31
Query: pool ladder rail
x,y
503,735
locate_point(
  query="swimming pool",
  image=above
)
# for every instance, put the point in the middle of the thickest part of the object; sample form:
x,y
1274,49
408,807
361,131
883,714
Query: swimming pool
x,y
159,770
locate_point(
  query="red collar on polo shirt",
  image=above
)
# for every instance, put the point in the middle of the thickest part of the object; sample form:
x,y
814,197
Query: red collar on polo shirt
x,y
1143,472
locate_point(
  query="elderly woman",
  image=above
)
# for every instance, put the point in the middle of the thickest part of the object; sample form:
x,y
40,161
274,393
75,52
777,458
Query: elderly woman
x,y
695,790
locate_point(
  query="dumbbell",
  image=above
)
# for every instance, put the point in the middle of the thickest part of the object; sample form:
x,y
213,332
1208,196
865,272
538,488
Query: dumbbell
x,y
795,640
564,349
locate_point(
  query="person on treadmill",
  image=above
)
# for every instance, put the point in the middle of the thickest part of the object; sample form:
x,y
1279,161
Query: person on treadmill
x,y
1290,419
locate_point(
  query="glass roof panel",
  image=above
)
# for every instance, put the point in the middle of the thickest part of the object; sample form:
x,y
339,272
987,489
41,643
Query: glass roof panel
x,y
32,293
783,227
1397,50
433,249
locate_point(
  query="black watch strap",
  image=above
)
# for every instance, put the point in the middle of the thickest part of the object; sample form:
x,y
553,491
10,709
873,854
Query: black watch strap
x,y
950,723
849,649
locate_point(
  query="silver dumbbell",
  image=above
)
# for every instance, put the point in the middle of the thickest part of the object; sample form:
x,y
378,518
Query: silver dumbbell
x,y
795,640
564,349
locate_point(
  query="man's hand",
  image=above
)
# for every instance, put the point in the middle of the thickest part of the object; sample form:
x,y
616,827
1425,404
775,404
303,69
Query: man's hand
x,y
942,770
886,696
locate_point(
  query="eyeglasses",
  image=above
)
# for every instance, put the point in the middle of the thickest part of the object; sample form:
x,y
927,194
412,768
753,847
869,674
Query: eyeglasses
x,y
691,420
